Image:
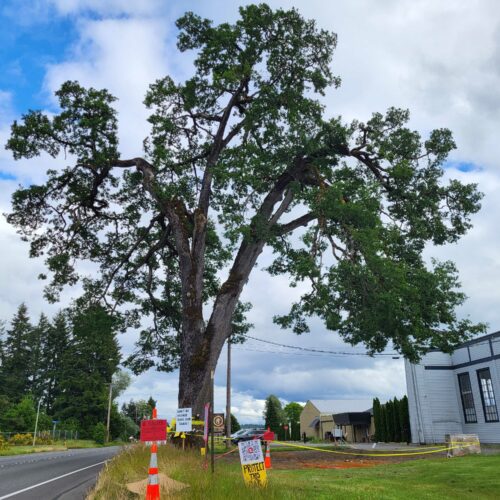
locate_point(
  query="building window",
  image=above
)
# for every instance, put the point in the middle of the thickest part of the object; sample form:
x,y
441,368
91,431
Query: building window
x,y
487,395
467,398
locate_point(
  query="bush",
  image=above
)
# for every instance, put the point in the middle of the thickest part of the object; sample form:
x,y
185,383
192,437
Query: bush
x,y
44,438
99,433
3,443
128,428
21,439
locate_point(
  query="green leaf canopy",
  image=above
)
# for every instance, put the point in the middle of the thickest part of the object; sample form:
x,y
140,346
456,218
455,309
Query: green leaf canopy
x,y
240,156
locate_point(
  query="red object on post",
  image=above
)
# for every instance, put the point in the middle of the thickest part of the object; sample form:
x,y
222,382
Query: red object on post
x,y
268,435
153,430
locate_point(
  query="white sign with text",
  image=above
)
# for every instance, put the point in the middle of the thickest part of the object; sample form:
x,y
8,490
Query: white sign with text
x,y
183,420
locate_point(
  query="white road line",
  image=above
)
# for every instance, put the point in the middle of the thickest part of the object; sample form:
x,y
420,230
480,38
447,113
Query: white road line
x,y
50,480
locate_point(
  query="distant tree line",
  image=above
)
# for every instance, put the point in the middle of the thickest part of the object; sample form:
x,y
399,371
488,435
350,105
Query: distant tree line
x,y
276,417
66,364
392,420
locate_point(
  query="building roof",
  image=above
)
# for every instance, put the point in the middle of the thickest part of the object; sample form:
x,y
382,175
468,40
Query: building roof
x,y
353,418
331,406
477,340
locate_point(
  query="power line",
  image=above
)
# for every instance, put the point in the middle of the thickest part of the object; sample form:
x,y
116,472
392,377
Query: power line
x,y
322,351
337,353
267,351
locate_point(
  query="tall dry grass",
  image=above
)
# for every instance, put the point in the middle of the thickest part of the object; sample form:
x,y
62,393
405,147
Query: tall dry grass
x,y
132,463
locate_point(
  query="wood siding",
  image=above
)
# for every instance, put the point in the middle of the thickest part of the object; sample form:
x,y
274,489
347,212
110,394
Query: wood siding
x,y
434,398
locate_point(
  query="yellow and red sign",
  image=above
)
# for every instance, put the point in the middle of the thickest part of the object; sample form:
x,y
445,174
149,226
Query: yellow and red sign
x,y
252,463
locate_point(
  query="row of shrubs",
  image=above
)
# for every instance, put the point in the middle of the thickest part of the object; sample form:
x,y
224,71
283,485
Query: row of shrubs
x,y
25,439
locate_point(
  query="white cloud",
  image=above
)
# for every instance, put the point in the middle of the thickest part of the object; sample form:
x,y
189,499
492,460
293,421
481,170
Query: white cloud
x,y
108,7
124,56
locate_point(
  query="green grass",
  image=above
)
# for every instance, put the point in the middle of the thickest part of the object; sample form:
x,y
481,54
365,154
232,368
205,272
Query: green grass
x,y
88,443
24,450
56,446
470,477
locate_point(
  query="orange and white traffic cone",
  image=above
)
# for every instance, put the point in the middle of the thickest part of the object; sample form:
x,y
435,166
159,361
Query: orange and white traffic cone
x,y
267,459
153,489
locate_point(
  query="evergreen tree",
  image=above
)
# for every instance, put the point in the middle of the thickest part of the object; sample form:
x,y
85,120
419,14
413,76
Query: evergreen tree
x,y
137,410
389,407
235,425
17,354
376,420
404,416
87,367
396,420
37,368
58,340
152,405
383,424
274,416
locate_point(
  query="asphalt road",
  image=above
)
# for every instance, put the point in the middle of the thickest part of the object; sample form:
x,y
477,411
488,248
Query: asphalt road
x,y
61,475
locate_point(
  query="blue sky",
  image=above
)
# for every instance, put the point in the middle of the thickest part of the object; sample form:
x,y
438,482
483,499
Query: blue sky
x,y
27,47
405,53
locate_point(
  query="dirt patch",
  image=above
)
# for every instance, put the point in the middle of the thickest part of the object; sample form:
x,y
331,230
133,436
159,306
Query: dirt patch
x,y
308,459
167,485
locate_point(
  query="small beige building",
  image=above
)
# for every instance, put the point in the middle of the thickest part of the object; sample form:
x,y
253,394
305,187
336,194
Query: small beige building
x,y
354,419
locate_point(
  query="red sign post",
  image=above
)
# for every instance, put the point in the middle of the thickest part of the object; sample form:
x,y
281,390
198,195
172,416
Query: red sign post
x,y
153,430
268,435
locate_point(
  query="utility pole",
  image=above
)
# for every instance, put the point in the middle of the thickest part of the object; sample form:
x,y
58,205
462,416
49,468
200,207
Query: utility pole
x,y
228,394
36,421
109,410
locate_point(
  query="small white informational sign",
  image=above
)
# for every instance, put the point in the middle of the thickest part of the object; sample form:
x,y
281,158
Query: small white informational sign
x,y
250,452
183,420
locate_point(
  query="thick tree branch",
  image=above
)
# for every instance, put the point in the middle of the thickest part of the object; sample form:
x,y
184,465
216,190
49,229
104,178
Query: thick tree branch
x,y
295,224
249,251
176,213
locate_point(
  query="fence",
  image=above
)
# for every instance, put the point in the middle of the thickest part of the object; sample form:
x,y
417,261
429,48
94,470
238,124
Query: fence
x,y
57,435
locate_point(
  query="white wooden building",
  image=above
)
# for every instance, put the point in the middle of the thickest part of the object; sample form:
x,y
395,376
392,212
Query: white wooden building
x,y
458,393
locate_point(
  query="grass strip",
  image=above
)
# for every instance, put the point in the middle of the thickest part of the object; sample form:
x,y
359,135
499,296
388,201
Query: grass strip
x,y
458,478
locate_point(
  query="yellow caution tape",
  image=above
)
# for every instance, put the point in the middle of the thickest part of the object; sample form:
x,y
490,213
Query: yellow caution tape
x,y
440,450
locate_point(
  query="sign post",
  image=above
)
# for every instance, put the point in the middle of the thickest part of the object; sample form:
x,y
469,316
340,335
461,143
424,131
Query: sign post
x,y
55,422
212,441
205,432
252,463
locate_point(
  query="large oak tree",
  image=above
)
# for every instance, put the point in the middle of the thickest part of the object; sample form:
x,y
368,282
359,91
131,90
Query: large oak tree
x,y
241,156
